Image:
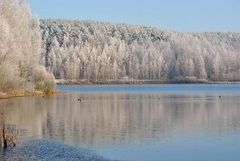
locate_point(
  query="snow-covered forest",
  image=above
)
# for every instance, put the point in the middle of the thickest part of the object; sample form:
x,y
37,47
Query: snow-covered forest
x,y
87,50
97,51
20,48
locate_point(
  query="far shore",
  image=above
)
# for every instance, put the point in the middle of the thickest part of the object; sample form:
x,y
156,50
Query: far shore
x,y
32,93
106,82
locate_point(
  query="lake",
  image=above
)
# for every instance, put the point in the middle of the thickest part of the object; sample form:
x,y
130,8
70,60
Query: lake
x,y
194,122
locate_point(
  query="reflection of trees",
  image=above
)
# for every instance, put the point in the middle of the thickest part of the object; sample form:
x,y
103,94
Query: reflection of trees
x,y
9,133
119,118
28,113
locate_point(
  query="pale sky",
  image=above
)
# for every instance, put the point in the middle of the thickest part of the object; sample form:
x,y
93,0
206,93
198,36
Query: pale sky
x,y
178,15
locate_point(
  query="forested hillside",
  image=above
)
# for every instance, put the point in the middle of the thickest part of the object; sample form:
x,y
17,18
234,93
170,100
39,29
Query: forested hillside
x,y
84,50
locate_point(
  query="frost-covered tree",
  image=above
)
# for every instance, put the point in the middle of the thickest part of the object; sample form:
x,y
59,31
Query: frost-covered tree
x,y
88,50
20,45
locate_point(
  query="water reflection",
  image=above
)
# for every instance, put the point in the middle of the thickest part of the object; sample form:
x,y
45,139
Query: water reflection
x,y
120,118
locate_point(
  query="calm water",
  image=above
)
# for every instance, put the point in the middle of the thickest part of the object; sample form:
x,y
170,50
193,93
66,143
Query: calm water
x,y
138,122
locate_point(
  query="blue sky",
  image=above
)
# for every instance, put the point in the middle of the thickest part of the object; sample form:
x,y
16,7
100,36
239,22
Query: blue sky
x,y
178,15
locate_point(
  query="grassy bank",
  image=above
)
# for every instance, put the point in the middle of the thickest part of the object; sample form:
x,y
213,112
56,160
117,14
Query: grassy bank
x,y
25,93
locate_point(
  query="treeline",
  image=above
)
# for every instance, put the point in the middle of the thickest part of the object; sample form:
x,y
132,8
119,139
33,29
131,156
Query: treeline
x,y
20,49
85,50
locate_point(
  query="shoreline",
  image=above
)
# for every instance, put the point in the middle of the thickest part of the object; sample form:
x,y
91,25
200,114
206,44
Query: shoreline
x,y
132,82
25,93
33,93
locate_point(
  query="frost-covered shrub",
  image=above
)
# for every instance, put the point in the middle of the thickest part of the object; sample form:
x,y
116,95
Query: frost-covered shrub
x,y
44,81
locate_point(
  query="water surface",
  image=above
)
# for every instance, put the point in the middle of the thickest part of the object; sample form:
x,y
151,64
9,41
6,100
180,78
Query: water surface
x,y
138,122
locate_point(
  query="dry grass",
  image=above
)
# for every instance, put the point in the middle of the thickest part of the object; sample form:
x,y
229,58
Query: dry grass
x,y
26,93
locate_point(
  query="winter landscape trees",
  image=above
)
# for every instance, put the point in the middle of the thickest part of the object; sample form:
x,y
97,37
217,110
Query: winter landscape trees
x,y
104,51
95,51
20,46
